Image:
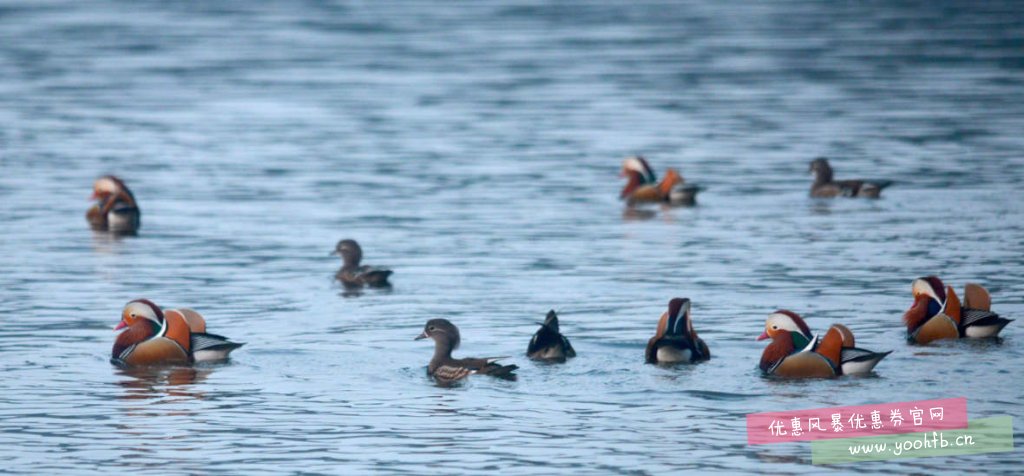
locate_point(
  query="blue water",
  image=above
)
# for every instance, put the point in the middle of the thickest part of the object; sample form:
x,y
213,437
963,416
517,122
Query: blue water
x,y
474,149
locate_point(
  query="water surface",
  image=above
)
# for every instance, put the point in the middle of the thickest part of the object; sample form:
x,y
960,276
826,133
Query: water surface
x,y
474,148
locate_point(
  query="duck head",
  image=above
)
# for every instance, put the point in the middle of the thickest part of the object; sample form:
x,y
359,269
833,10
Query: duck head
x,y
929,300
821,169
639,165
108,186
784,321
444,333
140,310
676,321
349,251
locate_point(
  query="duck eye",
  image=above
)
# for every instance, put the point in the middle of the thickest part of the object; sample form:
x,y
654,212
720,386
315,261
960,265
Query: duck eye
x,y
431,329
775,327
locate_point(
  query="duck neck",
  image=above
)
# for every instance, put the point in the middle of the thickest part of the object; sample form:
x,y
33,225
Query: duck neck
x,y
823,175
634,182
141,331
350,262
780,348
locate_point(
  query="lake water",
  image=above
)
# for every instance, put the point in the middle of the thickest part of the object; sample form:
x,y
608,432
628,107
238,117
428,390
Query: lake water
x,y
474,149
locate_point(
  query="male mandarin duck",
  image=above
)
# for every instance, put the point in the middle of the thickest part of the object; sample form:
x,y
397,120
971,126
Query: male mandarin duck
x,y
352,274
172,337
642,185
853,359
675,340
444,368
116,210
548,343
938,314
814,359
825,186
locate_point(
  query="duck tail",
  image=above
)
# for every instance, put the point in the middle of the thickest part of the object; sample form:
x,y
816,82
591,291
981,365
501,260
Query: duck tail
x,y
502,371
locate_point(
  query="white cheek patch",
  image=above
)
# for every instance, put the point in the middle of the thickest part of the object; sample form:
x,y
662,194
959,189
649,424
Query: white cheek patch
x,y
106,185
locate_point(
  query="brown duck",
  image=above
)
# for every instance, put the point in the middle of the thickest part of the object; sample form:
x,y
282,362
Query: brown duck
x,y
675,340
825,185
444,368
937,313
853,360
816,359
642,185
115,210
152,336
354,275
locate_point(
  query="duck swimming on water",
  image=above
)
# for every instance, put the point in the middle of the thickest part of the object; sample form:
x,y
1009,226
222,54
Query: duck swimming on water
x,y
354,275
642,185
116,210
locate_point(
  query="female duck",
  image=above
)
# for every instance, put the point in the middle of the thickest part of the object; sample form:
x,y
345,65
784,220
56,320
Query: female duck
x,y
825,186
938,314
816,359
444,368
675,340
175,337
116,210
352,274
853,360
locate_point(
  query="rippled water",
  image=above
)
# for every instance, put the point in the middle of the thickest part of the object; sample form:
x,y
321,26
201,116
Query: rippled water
x,y
474,149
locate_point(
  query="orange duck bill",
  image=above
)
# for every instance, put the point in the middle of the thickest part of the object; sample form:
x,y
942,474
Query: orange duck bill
x,y
151,336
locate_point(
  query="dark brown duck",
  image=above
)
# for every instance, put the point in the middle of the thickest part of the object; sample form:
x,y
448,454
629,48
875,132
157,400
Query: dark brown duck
x,y
354,275
825,185
548,343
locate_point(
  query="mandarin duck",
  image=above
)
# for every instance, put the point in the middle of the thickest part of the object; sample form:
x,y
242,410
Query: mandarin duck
x,y
352,274
172,337
853,359
675,340
444,368
116,210
642,185
816,359
938,314
825,186
548,343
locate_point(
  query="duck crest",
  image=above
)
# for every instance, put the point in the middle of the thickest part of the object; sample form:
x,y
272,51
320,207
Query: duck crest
x,y
638,164
799,321
676,321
